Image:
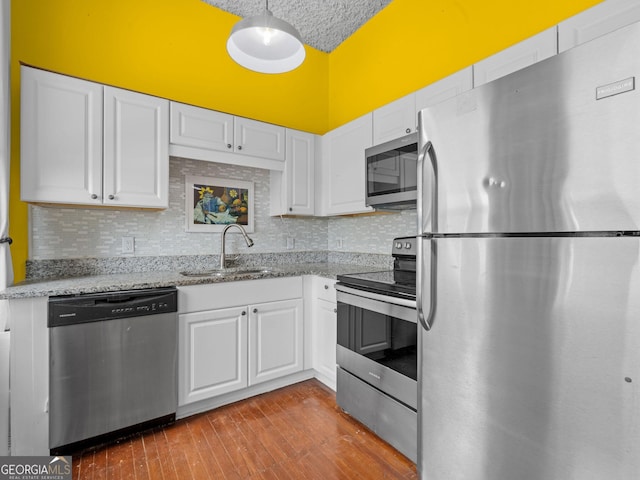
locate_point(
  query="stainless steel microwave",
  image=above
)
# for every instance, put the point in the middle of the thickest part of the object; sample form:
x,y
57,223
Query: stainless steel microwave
x,y
391,176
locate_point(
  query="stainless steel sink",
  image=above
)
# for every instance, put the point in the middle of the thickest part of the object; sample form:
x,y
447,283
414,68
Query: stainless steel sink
x,y
241,272
229,272
198,273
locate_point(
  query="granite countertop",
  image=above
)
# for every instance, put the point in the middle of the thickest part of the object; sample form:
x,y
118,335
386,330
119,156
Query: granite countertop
x,y
127,281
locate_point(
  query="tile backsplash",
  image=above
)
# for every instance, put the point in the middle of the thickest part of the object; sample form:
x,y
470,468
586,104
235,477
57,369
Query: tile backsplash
x,y
80,233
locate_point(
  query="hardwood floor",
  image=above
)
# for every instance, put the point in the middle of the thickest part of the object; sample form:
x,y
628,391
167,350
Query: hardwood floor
x,y
297,432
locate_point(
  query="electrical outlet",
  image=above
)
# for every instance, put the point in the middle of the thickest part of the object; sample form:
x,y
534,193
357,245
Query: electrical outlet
x,y
128,245
291,242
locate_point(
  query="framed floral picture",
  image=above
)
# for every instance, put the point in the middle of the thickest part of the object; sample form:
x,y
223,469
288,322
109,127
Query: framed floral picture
x,y
213,203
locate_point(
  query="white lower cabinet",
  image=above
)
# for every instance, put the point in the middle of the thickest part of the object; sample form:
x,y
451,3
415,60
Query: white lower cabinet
x,y
325,341
275,340
321,295
213,353
5,342
238,334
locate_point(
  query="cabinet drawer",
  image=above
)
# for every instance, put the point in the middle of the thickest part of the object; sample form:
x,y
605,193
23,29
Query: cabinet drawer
x,y
212,296
326,289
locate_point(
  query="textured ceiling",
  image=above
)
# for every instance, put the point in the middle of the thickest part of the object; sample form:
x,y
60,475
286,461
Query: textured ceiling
x,y
323,24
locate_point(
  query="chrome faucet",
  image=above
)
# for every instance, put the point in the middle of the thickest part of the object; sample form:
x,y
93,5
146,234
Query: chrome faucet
x,y
247,239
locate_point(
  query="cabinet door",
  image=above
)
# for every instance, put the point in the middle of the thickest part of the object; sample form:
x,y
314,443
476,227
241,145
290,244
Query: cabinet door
x,y
448,87
136,149
516,57
212,353
300,167
198,127
343,167
596,21
259,139
395,119
61,138
293,189
325,328
275,340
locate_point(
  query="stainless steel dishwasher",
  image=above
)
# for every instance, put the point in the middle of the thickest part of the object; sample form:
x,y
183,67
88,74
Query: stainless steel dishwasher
x,y
113,366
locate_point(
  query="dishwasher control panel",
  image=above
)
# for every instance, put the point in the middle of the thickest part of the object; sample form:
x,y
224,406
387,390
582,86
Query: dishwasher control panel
x,y
95,307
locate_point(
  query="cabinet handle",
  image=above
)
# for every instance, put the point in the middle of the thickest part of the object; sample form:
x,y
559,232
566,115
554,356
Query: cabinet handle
x,y
408,130
335,310
94,196
239,147
326,287
244,312
111,197
228,145
255,310
290,209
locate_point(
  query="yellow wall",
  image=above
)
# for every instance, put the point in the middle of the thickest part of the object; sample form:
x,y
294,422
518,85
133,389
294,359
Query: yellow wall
x,y
169,48
176,49
413,43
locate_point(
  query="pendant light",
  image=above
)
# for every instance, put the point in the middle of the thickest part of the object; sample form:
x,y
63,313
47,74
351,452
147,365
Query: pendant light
x,y
266,44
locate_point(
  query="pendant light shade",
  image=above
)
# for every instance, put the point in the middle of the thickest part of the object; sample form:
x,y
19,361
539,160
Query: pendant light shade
x,y
266,44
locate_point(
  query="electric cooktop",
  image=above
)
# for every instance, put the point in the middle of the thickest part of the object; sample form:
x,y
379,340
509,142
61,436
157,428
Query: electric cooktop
x,y
399,282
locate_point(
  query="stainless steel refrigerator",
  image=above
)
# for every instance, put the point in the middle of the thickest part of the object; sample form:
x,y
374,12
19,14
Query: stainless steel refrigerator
x,y
529,275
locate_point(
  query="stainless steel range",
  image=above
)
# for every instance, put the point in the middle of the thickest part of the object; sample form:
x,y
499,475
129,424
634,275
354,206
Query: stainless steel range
x,y
377,348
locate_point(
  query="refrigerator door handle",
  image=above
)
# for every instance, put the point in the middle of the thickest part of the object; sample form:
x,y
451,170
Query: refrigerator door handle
x,y
426,321
427,149
420,168
431,189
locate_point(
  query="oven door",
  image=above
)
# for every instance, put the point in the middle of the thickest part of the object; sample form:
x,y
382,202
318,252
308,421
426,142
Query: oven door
x,y
377,341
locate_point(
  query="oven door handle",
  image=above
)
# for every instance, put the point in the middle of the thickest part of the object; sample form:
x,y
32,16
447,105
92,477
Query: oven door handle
x,y
377,296
386,305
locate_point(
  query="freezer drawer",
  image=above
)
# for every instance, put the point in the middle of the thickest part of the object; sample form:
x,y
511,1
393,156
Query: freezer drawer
x,y
391,420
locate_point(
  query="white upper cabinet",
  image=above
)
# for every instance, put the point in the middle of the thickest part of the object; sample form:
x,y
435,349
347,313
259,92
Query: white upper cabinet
x,y
516,57
199,127
259,139
212,136
394,120
448,87
293,190
61,138
86,144
596,21
343,167
400,117
136,150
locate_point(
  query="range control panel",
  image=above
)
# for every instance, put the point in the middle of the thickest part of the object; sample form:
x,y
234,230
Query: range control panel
x,y
404,246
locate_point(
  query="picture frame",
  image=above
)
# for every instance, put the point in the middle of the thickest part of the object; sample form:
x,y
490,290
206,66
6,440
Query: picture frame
x,y
213,203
